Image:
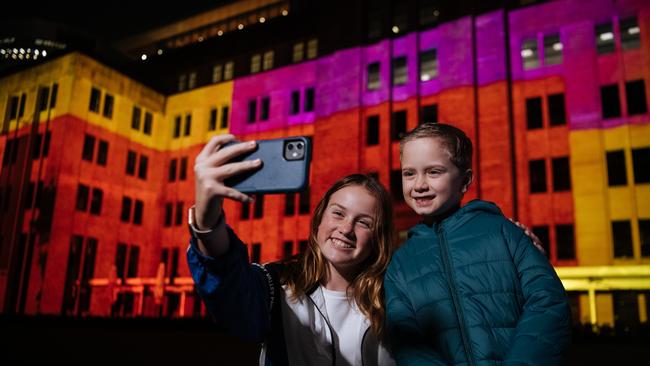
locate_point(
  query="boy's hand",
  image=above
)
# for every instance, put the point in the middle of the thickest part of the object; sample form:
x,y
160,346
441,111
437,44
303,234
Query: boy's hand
x,y
530,234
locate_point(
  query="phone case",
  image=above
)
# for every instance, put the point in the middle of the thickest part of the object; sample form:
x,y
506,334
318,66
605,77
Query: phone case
x,y
281,171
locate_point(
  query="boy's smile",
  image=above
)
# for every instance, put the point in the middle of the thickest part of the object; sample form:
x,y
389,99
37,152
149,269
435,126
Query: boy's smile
x,y
431,183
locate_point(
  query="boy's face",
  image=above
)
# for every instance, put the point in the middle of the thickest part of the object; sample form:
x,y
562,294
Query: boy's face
x,y
431,183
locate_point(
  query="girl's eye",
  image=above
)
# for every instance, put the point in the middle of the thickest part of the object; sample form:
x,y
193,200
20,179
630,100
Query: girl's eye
x,y
407,174
365,224
337,213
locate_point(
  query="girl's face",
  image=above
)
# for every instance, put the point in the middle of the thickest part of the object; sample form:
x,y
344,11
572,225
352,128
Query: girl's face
x,y
345,233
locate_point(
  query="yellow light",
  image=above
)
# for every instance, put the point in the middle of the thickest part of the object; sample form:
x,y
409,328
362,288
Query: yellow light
x,y
44,53
143,57
262,20
240,26
285,13
220,32
160,52
200,39
395,29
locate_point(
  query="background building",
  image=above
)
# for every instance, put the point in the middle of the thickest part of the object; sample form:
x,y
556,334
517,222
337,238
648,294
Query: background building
x,y
97,152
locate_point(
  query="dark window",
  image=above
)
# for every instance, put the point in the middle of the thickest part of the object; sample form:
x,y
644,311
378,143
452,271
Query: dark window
x,y
55,92
644,238
188,124
148,121
303,201
564,237
641,165
622,236
302,246
88,148
179,214
289,204
134,257
309,100
120,259
224,116
295,102
135,118
82,197
46,144
96,202
287,249
543,234
534,117
616,172
398,127
95,96
630,33
252,111
169,207
264,110
182,174
256,253
561,174
177,126
635,96
172,170
36,148
102,152
556,109
137,212
626,310
142,168
372,137
13,108
245,211
125,215
529,54
552,49
130,162
258,210
400,71
605,38
212,125
374,79
429,114
44,97
537,171
610,101
108,106
396,185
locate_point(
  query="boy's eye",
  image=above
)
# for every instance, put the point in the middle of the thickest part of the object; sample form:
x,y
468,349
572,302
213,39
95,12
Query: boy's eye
x,y
407,173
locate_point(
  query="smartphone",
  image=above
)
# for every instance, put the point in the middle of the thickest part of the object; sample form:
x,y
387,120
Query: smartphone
x,y
285,166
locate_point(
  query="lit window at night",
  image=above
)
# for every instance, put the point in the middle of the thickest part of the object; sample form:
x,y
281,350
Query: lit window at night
x,y
630,33
298,52
256,63
400,71
268,60
428,65
552,50
605,38
374,79
529,54
312,49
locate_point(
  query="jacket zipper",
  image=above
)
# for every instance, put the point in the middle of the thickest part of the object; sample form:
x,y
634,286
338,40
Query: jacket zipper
x,y
451,281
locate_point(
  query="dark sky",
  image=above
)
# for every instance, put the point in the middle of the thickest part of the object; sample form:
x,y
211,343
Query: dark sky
x,y
108,19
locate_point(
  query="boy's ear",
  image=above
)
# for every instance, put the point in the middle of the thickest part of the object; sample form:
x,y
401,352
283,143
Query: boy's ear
x,y
467,180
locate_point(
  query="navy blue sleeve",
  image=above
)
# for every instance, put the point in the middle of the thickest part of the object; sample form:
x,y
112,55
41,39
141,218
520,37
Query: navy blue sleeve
x,y
235,292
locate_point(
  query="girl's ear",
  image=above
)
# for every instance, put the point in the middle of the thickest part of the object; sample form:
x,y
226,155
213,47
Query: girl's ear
x,y
467,180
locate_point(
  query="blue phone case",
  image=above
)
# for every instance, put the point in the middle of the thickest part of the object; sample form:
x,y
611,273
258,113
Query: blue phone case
x,y
281,171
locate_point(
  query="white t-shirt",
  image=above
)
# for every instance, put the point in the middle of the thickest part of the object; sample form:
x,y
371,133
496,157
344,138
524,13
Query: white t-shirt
x,y
346,319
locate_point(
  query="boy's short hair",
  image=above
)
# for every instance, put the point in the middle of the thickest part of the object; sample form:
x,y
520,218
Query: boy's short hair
x,y
453,139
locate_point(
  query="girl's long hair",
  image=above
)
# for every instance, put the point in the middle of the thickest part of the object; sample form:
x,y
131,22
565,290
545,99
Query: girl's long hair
x,y
366,290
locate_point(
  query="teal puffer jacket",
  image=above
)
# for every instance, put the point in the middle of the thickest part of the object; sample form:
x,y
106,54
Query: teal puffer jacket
x,y
473,290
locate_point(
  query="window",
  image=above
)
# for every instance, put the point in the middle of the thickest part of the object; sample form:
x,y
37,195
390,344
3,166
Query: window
x,y
295,102
142,168
102,153
565,242
529,54
130,162
135,118
182,82
309,100
96,201
256,63
182,174
217,73
644,238
298,52
224,116
534,117
191,81
177,126
304,202
616,171
13,108
120,259
429,114
302,246
258,210
626,309
169,207
172,170
188,124
561,174
55,92
179,214
400,71
398,128
542,233
396,185
556,109
268,60
604,38
428,64
228,70
374,80
125,215
148,121
95,96
256,253
82,197
287,249
108,106
289,204
44,96
23,100
641,165
312,48
372,135
88,148
212,125
245,211
137,212
552,49
622,236
252,110
134,256
264,110
630,33
635,97
610,102
537,171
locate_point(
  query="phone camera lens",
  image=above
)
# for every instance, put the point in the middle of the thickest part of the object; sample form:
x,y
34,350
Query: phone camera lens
x,y
290,147
299,145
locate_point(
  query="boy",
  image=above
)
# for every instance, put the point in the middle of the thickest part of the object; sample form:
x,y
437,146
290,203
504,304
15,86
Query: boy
x,y
468,286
